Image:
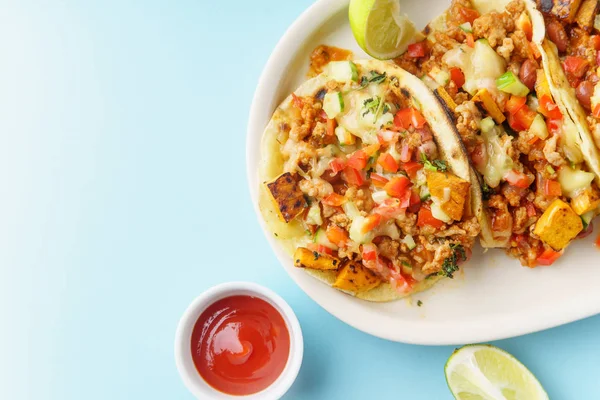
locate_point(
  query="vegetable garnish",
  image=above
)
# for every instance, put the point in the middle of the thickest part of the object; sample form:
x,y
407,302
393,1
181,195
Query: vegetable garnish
x,y
435,165
450,265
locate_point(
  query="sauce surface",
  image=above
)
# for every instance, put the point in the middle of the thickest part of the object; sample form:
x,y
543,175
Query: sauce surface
x,y
323,55
240,345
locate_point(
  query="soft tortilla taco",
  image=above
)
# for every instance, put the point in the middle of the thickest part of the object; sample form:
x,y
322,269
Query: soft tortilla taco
x,y
489,65
366,183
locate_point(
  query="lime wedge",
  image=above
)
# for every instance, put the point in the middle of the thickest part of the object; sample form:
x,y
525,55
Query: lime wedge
x,y
485,372
379,28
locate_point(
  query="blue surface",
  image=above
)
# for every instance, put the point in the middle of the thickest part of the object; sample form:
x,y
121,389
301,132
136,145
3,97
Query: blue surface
x,y
124,196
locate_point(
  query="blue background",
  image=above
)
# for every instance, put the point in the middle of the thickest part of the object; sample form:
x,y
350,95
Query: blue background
x,y
124,196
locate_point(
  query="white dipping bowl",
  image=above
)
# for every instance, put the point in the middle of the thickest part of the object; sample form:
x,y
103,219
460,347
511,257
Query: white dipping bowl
x,y
183,354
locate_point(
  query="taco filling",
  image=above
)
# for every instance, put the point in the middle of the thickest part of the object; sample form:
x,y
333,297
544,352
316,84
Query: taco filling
x,y
486,68
365,179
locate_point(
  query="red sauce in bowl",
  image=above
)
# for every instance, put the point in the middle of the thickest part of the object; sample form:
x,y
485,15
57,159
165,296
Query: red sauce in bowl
x,y
240,345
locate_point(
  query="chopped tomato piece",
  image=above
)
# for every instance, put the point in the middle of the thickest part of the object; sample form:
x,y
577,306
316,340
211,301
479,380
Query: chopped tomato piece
x,y
337,235
596,112
575,66
522,119
548,108
425,218
297,101
397,186
415,201
405,199
407,117
378,180
386,136
358,160
331,124
548,257
353,176
468,14
595,41
457,76
319,248
417,50
390,208
554,126
387,162
470,40
552,188
531,211
369,252
411,168
371,222
337,164
515,103
334,200
517,179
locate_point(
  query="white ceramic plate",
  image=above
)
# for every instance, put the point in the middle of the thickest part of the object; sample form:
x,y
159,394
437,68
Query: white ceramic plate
x,y
495,298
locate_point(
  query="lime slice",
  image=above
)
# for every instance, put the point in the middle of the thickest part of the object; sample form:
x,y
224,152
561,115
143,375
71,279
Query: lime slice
x,y
379,28
485,372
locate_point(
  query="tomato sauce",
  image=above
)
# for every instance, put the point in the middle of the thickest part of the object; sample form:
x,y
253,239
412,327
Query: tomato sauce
x,y
240,345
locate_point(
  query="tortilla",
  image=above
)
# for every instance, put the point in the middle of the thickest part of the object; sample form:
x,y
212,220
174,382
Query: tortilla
x,y
292,235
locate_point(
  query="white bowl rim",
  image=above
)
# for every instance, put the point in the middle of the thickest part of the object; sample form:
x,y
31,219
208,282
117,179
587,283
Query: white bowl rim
x,y
183,357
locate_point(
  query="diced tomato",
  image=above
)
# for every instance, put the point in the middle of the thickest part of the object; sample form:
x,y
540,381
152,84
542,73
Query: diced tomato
x,y
397,186
337,164
548,257
353,176
425,218
411,168
548,108
575,66
399,282
390,208
386,136
554,126
358,160
297,101
522,119
596,112
331,124
468,14
319,248
378,180
597,242
369,252
387,162
334,200
407,117
405,199
517,179
595,41
457,76
531,211
470,40
515,103
371,222
552,188
417,50
405,153
337,235
415,201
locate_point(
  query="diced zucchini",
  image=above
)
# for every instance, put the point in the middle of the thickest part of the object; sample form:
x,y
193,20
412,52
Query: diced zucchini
x,y
388,228
313,217
351,210
380,196
550,169
345,138
409,241
573,180
487,124
466,27
333,104
321,238
509,83
587,218
439,75
342,71
424,193
538,127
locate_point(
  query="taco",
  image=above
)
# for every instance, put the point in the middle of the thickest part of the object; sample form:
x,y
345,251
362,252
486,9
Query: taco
x,y
365,182
490,66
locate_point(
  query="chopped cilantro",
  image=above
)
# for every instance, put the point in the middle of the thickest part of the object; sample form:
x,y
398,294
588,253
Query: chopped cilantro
x,y
486,191
371,105
376,77
419,303
450,265
435,165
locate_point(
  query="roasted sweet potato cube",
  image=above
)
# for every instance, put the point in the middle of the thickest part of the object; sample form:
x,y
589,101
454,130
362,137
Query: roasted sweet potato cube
x,y
586,200
489,104
558,225
354,277
288,196
451,200
304,258
586,14
565,9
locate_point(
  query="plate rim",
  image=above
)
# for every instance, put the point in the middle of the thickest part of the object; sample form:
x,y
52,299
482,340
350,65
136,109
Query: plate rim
x,y
416,332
